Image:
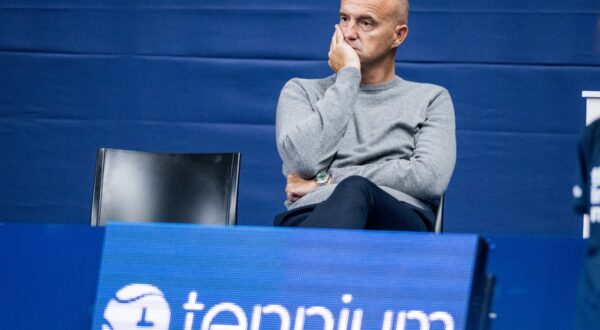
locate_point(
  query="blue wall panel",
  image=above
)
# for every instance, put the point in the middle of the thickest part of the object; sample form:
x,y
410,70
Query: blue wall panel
x,y
465,31
513,183
206,75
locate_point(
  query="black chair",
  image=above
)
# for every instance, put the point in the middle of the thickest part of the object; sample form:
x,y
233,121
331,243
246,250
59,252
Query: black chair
x,y
165,187
439,217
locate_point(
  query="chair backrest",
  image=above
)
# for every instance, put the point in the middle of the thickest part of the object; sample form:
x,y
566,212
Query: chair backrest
x,y
165,187
439,216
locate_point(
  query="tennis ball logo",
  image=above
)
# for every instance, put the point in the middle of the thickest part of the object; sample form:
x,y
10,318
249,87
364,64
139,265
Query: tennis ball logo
x,y
137,306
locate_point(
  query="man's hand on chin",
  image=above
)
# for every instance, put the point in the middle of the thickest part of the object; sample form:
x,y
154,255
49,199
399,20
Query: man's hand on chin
x,y
297,187
341,54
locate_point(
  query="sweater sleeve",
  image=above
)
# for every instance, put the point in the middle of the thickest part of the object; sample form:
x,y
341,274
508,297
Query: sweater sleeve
x,y
308,133
426,174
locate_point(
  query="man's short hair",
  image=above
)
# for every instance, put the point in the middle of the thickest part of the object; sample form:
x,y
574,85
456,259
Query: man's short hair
x,y
402,11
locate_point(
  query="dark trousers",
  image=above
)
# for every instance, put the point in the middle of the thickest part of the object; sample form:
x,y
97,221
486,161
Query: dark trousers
x,y
357,203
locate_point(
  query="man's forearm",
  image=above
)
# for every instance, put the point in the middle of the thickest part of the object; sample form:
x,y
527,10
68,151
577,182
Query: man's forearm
x,y
413,177
308,134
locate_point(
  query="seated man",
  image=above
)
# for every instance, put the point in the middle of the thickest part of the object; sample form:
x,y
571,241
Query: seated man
x,y
364,148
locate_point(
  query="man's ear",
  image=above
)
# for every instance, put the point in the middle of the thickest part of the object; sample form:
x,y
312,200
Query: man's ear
x,y
400,33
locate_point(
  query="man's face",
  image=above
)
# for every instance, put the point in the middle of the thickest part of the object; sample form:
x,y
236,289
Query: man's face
x,y
369,27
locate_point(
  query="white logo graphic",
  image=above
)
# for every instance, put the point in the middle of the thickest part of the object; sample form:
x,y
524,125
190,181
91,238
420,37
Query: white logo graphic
x,y
137,307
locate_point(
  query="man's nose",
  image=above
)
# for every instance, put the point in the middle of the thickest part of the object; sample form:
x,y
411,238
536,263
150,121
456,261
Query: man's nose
x,y
350,32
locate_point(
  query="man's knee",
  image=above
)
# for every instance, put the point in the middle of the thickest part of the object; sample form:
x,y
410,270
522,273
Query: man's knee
x,y
356,183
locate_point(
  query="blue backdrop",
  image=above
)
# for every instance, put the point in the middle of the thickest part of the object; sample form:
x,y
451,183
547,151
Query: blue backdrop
x,y
205,76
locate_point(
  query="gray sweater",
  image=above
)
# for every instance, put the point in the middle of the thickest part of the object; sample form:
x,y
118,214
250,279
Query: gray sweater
x,y
399,134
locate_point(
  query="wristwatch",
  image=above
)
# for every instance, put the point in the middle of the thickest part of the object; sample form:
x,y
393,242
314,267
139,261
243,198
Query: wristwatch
x,y
322,177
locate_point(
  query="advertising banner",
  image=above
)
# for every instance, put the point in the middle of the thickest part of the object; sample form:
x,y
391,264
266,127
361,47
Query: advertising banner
x,y
173,276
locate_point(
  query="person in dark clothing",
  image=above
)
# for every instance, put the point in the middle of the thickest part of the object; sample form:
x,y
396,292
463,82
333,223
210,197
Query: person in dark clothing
x,y
587,201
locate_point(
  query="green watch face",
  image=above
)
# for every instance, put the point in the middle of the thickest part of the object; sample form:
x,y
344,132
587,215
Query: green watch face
x,y
322,176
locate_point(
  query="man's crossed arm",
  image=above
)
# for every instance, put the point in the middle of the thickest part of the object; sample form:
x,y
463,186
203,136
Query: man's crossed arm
x,y
308,133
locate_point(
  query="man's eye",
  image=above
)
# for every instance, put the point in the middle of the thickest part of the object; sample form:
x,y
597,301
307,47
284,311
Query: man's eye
x,y
343,19
366,23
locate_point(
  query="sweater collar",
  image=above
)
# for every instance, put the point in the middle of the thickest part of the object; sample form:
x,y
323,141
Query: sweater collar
x,y
383,86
